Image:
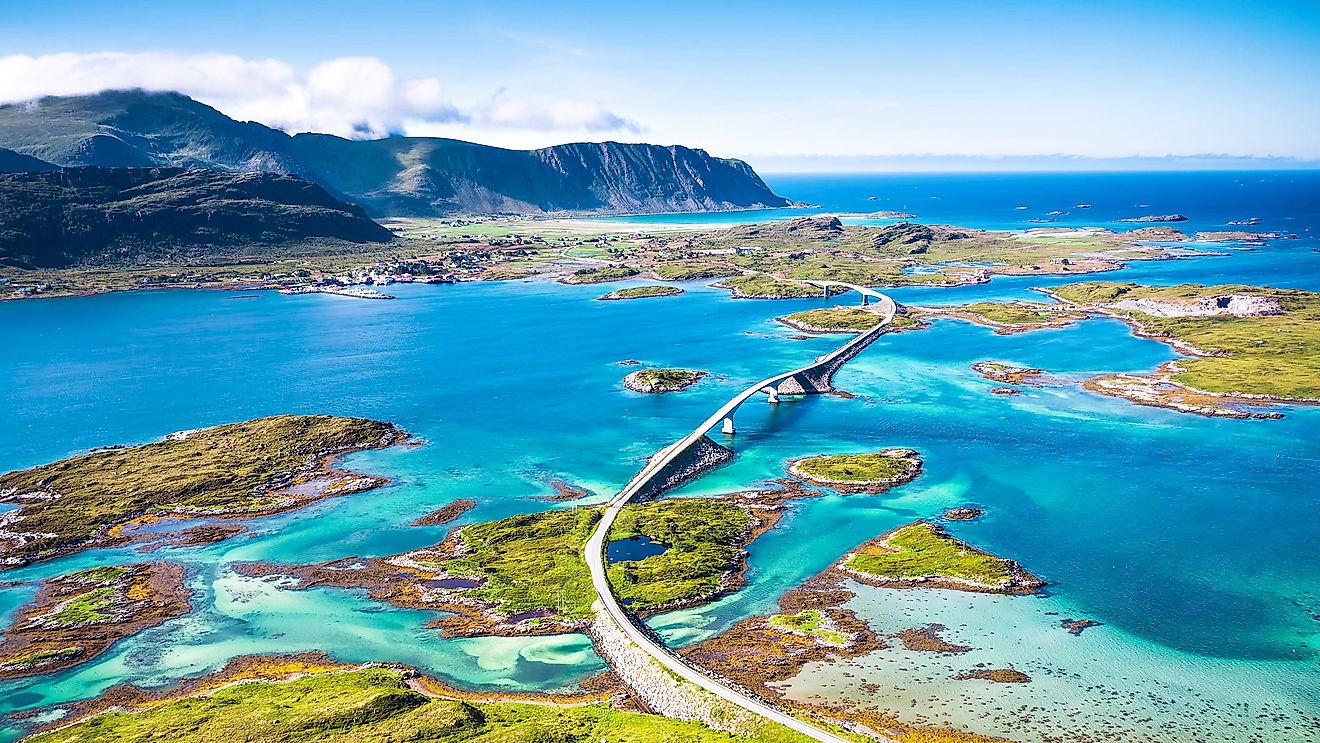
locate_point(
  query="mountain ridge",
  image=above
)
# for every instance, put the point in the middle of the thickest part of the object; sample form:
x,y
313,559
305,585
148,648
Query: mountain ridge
x,y
395,176
93,216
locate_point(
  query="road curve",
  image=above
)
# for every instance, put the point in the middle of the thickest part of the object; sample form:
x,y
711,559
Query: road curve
x,y
595,548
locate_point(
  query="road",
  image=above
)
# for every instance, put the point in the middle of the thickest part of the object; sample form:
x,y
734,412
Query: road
x,y
595,549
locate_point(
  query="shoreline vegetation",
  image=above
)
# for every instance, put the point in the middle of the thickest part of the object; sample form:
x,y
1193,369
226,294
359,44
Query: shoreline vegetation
x,y
240,470
76,617
925,555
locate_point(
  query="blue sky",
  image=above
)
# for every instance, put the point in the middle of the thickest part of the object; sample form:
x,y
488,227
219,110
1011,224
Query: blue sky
x,y
774,82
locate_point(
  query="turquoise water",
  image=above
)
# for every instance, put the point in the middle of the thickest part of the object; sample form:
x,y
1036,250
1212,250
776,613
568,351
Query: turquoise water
x,y
1190,538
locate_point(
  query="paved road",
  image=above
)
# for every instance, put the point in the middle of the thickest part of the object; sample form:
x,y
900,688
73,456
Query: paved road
x,y
595,549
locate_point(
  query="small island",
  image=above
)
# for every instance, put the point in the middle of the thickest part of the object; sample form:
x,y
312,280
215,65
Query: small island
x,y
833,320
997,675
1007,318
600,275
922,554
875,472
765,286
999,371
641,292
662,380
259,467
78,616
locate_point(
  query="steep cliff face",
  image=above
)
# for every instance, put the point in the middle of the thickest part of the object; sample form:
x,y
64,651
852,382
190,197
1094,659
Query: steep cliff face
x,y
397,175
135,216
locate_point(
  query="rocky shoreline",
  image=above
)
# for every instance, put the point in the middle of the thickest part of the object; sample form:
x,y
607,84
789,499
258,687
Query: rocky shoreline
x,y
655,381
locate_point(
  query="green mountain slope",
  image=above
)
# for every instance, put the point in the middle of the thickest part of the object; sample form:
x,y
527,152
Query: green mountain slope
x,y
396,175
136,216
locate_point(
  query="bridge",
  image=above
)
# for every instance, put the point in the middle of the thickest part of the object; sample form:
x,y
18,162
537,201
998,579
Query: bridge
x,y
688,458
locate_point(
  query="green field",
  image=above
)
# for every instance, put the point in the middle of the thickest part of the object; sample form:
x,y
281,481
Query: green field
x,y
762,286
376,704
1275,355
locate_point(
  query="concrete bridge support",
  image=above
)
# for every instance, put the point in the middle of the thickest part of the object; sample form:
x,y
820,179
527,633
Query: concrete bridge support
x,y
728,426
773,395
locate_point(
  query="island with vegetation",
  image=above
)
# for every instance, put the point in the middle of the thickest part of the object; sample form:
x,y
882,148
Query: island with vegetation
x,y
765,286
923,554
814,625
833,320
1000,371
375,702
526,575
1007,318
78,616
662,380
642,292
1246,345
600,274
873,472
258,467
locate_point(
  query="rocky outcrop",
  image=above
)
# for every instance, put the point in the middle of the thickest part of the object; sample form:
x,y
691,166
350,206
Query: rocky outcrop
x,y
802,228
1237,305
911,238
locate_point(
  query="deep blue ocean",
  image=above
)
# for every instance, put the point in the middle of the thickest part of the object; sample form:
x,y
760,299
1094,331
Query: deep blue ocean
x,y
1191,539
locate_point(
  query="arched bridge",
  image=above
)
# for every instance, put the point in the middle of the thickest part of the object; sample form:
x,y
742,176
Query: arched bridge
x,y
688,458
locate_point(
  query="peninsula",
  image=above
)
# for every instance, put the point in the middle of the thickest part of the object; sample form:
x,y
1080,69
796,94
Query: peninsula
x,y
255,468
1246,345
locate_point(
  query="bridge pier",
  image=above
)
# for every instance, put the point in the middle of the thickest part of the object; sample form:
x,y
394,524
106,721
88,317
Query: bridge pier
x,y
773,395
728,426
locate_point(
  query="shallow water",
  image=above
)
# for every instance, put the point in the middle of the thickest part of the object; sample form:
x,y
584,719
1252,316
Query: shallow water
x,y
1189,538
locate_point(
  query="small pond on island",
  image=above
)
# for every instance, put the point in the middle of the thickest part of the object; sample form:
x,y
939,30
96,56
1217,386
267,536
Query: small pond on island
x,y
639,547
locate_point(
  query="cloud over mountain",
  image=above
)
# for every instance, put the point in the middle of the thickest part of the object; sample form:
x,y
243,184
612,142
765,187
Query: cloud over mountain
x,y
358,97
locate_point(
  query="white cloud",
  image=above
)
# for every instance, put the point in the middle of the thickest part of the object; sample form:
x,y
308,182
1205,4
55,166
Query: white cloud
x,y
565,113
358,97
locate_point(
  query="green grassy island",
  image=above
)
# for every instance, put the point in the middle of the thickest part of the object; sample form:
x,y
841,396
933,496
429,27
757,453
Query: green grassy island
x,y
1244,340
525,574
764,286
76,617
378,704
833,320
600,275
1011,317
642,292
236,469
924,554
662,380
873,472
